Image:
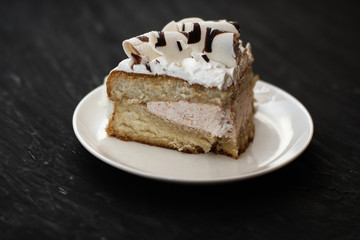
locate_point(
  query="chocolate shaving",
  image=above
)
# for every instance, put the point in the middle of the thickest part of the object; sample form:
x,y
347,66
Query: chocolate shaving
x,y
195,34
148,67
136,60
209,37
161,40
205,58
143,38
179,45
236,25
186,34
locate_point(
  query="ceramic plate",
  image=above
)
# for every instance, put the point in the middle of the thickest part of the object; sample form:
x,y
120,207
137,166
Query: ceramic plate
x,y
284,129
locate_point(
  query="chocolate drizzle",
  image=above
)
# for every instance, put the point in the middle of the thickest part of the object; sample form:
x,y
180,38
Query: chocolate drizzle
x,y
183,27
179,45
209,37
143,38
161,40
236,25
195,34
205,58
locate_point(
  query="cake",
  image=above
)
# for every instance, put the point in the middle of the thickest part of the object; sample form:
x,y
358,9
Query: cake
x,y
188,87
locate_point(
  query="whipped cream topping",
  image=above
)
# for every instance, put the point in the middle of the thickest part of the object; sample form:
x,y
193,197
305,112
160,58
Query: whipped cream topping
x,y
208,53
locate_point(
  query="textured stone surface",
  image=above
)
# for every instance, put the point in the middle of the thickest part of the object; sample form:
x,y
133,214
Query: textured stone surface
x,y
52,54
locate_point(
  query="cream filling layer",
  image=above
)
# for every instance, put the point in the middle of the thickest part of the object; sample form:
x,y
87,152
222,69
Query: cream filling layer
x,y
219,122
208,118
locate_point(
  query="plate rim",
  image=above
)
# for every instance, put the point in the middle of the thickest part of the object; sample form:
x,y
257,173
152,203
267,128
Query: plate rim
x,y
154,176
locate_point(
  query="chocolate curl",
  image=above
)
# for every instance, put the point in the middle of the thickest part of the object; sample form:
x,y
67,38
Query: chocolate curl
x,y
222,49
135,48
176,49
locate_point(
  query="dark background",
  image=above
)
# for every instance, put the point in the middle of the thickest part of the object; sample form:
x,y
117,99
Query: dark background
x,y
54,53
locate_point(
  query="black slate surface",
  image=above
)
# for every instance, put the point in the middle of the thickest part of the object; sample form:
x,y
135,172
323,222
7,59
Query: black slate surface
x,y
53,53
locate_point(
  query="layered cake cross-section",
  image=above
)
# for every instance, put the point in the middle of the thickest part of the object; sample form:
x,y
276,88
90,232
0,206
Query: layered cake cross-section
x,y
188,87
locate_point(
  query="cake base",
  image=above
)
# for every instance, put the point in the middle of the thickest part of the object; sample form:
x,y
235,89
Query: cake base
x,y
133,122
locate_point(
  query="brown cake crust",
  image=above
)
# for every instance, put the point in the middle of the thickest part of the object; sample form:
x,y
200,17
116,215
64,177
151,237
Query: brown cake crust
x,y
131,121
135,123
142,88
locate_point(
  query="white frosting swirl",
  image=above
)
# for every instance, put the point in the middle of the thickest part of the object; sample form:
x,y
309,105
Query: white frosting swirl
x,y
208,53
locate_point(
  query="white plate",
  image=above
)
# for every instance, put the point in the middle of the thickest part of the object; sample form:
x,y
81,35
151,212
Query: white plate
x,y
284,129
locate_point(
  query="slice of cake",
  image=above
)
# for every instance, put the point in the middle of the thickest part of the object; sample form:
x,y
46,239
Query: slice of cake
x,y
188,87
